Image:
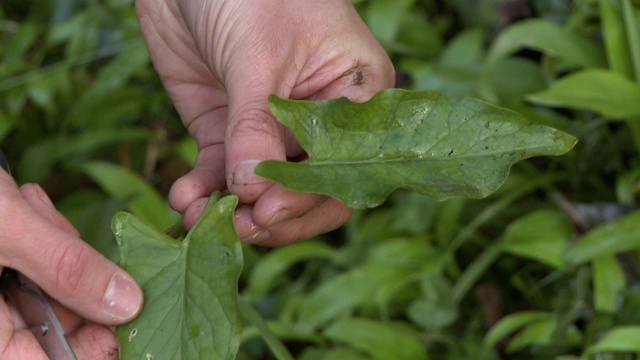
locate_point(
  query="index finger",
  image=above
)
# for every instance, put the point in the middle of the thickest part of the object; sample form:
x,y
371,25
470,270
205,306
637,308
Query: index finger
x,y
61,263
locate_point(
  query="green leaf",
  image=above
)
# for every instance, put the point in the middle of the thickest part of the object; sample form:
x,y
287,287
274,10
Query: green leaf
x,y
385,270
385,17
514,322
332,354
434,309
542,236
538,333
622,339
603,91
190,287
142,199
278,349
615,237
381,340
41,156
608,282
615,38
632,25
548,38
424,141
271,266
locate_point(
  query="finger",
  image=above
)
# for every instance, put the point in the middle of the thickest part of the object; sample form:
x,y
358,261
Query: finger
x,y
20,344
328,216
93,341
40,201
62,264
253,135
192,213
207,176
278,204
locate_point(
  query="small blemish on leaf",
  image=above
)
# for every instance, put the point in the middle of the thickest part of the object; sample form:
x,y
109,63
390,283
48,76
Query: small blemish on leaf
x,y
450,152
194,332
133,333
149,357
487,124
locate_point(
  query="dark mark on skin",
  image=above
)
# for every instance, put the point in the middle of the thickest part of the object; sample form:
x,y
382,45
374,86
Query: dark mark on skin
x,y
356,75
358,78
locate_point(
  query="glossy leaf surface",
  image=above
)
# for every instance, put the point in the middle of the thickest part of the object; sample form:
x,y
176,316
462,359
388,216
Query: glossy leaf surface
x,y
360,152
190,287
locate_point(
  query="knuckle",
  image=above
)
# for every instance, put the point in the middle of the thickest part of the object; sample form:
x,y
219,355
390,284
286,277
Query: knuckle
x,y
73,262
255,122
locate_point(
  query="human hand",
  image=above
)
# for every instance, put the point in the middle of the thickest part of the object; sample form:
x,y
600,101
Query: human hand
x,y
38,241
220,60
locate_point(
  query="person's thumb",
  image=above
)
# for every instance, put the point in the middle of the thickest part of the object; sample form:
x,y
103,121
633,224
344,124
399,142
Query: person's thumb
x,y
49,252
252,135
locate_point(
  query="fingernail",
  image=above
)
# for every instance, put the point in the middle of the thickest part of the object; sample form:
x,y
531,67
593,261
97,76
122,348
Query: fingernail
x,y
258,237
42,195
244,174
281,215
122,300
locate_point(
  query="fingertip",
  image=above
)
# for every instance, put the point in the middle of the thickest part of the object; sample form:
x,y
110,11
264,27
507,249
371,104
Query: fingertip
x,y
82,280
193,212
123,299
183,192
246,184
247,230
93,341
197,184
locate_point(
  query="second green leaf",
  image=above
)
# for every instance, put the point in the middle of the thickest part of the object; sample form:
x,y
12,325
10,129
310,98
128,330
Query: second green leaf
x,y
421,140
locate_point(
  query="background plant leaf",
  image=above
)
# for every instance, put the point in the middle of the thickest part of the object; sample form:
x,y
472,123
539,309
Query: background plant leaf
x,y
621,338
190,287
550,39
603,91
378,339
609,239
142,199
542,236
608,282
424,141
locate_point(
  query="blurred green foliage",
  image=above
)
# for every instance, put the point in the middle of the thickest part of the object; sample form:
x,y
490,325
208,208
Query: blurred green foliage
x,y
546,268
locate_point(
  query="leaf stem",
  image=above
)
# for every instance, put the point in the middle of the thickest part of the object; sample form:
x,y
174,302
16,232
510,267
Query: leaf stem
x,y
474,271
275,345
490,211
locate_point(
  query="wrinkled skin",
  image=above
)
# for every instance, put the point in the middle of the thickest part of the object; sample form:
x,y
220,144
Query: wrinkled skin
x,y
38,241
219,62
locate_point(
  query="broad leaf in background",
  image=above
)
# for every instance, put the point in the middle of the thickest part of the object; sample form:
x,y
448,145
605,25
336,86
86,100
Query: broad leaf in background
x,y
514,322
190,287
380,340
142,199
619,339
542,236
272,266
360,152
603,91
609,239
550,39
